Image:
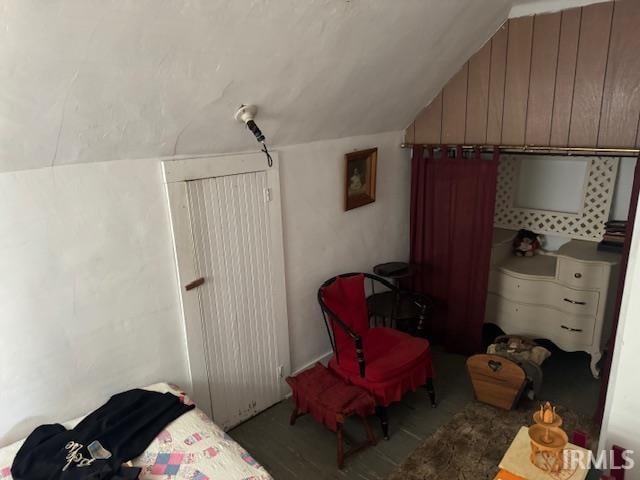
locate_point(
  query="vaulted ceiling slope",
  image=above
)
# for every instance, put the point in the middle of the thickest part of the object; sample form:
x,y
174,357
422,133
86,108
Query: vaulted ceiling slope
x,y
523,8
94,80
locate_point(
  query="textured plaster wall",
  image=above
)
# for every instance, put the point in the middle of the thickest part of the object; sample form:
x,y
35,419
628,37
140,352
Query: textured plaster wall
x,y
88,292
322,240
88,298
95,80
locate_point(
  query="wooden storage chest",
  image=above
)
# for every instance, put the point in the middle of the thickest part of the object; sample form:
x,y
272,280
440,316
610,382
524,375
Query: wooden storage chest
x,y
496,380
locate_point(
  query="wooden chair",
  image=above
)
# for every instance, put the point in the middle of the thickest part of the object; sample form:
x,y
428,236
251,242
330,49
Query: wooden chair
x,y
385,362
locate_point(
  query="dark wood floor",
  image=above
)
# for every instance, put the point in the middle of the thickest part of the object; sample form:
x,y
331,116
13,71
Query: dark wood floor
x,y
308,451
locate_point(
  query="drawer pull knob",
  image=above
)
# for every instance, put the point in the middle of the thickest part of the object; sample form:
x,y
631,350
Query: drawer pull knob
x,y
571,329
577,275
574,302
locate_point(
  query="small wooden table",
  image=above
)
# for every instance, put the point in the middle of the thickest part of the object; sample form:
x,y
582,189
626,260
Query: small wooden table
x,y
516,462
402,311
330,401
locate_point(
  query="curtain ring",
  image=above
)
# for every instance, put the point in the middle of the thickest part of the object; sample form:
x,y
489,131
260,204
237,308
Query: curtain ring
x,y
430,151
444,152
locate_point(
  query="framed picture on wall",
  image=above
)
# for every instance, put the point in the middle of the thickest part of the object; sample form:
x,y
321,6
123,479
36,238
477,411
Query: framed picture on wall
x,y
360,186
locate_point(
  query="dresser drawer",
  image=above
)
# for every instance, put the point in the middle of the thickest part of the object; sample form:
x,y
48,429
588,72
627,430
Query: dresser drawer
x,y
518,319
573,333
544,292
581,274
567,331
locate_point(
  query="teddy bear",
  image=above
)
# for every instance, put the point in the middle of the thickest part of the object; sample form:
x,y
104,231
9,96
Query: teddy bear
x,y
526,243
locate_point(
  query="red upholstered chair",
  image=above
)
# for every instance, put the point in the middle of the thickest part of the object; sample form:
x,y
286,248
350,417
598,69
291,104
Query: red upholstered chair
x,y
384,361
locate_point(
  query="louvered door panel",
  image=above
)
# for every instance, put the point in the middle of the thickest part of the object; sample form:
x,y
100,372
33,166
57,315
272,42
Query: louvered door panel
x,y
232,240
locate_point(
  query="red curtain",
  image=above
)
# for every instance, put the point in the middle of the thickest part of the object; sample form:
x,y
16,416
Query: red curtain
x,y
452,206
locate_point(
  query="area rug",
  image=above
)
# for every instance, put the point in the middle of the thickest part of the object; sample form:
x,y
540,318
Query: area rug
x,y
474,441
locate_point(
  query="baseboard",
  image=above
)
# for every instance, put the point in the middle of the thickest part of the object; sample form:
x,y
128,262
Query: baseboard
x,y
324,358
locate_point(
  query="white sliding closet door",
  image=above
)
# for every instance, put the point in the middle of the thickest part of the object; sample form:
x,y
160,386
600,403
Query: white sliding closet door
x,y
236,320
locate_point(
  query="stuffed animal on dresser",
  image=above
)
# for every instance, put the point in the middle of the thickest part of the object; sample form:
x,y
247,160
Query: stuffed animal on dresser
x,y
526,243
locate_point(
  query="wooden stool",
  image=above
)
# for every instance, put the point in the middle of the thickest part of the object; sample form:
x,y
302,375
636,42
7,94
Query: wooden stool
x,y
330,401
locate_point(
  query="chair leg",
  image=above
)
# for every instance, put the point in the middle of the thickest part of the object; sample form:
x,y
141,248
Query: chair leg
x,y
340,446
383,414
371,438
294,416
432,392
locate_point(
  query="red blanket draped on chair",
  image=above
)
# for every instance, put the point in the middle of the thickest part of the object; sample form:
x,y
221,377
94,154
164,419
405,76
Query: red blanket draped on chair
x,y
452,206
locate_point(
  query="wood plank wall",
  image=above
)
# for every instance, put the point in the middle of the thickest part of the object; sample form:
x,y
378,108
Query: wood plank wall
x,y
566,79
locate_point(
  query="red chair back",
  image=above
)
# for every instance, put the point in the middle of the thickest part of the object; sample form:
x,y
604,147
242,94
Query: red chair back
x,y
345,297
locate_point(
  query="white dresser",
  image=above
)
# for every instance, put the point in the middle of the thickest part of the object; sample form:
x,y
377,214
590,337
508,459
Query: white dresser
x,y
565,296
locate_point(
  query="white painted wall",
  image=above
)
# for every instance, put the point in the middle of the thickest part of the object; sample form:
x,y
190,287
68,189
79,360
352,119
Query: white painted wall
x,y
551,183
621,424
88,302
88,294
322,240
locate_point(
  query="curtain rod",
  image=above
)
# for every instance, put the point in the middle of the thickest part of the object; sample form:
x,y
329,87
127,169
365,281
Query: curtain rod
x,y
618,152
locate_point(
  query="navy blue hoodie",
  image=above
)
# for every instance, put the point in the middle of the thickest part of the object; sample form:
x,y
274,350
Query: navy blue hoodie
x,y
97,447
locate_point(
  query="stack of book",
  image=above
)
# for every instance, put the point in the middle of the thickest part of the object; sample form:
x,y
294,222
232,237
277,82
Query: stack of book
x,y
614,235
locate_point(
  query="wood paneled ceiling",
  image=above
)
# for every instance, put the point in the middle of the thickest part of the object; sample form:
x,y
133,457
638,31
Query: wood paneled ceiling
x,y
570,78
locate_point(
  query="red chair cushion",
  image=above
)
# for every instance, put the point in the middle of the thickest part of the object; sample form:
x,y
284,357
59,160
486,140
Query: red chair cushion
x,y
388,354
346,298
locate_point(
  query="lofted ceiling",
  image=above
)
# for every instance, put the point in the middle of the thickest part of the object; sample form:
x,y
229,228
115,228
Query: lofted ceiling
x,y
522,8
95,80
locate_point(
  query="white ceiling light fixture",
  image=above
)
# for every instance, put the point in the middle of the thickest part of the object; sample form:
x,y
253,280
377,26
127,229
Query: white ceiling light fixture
x,y
246,114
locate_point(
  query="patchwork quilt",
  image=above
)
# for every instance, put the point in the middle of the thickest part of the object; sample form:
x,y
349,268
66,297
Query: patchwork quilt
x,y
191,447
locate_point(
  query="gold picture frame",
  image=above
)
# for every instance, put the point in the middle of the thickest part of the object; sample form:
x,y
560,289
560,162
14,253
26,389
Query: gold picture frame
x,y
360,178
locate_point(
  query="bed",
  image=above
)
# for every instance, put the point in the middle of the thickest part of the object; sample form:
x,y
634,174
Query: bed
x,y
191,447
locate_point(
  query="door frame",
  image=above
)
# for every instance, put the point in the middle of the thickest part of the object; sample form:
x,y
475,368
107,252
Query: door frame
x,y
176,175
610,358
